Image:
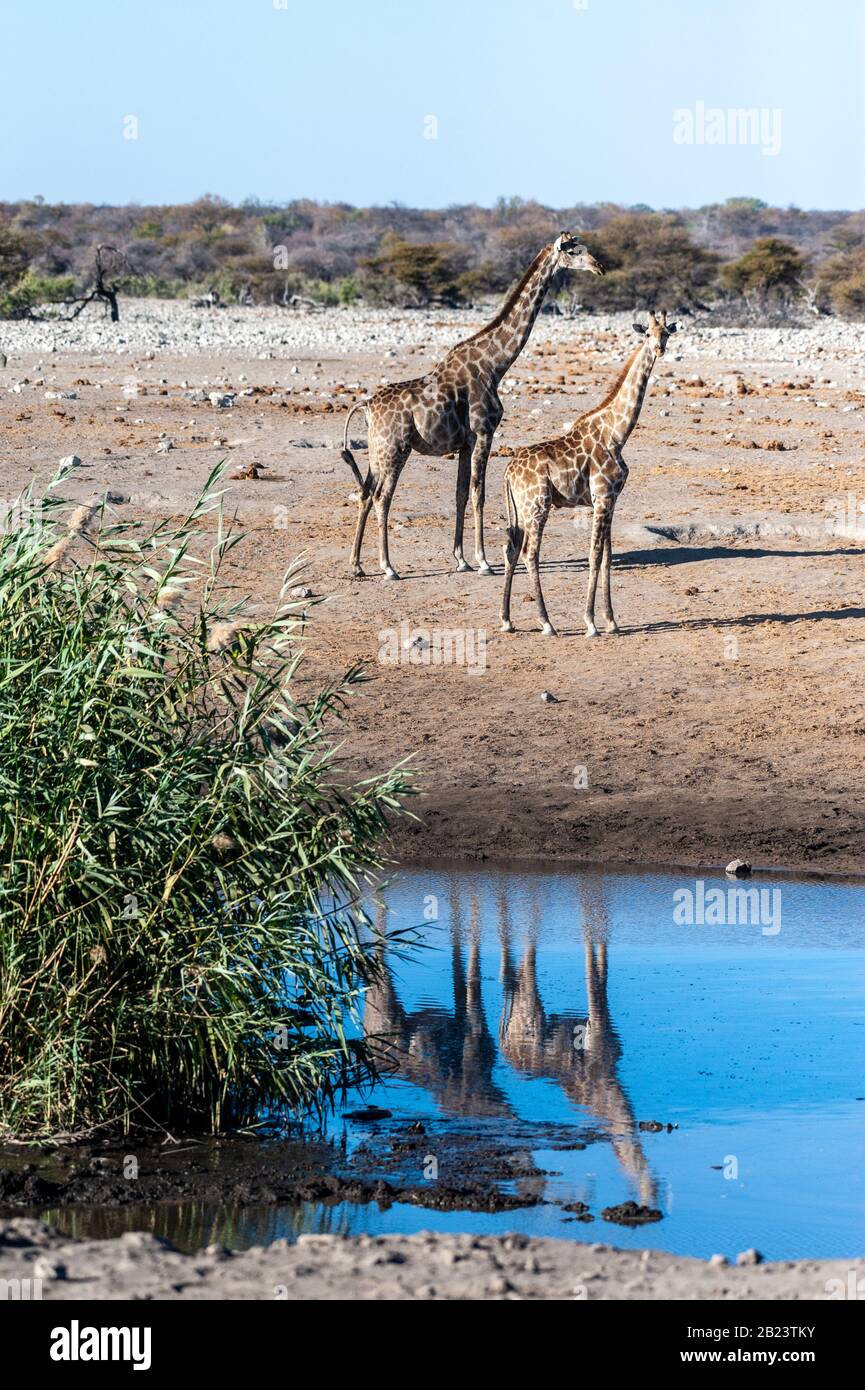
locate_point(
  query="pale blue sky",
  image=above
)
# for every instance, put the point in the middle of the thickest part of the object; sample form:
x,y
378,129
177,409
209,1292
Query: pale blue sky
x,y
540,98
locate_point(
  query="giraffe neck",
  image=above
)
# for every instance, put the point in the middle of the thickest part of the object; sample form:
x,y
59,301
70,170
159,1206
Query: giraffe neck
x,y
504,339
619,415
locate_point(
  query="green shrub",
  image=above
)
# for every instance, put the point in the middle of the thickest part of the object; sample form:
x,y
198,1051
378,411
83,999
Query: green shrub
x,y
841,283
414,271
13,257
180,937
31,291
769,268
650,261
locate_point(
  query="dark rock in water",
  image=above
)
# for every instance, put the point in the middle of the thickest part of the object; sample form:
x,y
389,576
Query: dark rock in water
x,y
630,1214
656,1126
580,1210
372,1112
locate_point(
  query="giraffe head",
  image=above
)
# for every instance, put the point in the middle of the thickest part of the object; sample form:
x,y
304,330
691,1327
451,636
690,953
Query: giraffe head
x,y
572,254
657,331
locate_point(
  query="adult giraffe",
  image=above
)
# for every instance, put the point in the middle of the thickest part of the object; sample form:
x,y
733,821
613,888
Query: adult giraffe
x,y
455,408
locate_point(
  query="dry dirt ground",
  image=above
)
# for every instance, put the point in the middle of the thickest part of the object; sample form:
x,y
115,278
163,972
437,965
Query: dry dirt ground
x,y
726,718
140,1266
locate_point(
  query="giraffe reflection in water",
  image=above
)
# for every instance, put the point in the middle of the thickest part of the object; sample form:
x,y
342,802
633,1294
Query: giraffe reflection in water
x,y
452,1053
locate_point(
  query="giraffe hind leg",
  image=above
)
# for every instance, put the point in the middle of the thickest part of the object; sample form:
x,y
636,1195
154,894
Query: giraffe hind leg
x,y
364,507
534,535
512,552
382,498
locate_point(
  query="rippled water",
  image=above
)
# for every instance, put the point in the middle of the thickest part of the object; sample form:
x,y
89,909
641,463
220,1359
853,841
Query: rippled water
x,y
550,1006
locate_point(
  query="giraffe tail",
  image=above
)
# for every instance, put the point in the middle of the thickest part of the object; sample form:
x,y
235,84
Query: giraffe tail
x,y
516,535
365,484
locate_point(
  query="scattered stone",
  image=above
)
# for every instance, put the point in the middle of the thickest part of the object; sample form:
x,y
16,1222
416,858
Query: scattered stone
x,y
749,1257
70,461
738,868
301,592
249,470
718,1260
549,699
371,1112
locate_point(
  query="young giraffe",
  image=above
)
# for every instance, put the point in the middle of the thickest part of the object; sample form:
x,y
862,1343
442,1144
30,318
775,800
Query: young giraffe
x,y
583,468
455,408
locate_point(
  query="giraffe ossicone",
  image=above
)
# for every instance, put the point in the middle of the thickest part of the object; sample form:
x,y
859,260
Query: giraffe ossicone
x,y
454,409
583,468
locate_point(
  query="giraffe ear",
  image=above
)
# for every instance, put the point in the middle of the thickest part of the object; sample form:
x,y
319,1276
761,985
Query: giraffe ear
x,y
671,327
638,328
557,246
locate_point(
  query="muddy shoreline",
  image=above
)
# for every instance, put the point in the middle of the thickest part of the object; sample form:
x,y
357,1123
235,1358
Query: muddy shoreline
x,y
450,831
474,1173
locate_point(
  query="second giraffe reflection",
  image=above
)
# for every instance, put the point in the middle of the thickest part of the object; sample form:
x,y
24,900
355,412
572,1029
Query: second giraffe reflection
x,y
452,1054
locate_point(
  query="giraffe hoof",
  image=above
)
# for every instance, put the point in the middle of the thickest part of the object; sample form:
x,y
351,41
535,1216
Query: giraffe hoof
x,y
612,625
391,574
591,631
507,625
548,630
484,568
462,566
358,573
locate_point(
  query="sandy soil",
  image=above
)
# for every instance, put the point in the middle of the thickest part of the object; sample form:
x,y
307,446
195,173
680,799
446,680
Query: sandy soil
x,y
726,719
425,1266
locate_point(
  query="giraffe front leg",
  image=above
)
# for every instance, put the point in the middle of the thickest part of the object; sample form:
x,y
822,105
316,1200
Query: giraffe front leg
x,y
596,551
606,564
480,456
463,474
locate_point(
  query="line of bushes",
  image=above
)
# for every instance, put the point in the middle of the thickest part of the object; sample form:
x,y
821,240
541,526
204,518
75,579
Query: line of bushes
x,y
740,253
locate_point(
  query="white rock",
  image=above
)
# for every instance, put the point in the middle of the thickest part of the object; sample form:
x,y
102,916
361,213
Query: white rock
x,y
749,1257
738,868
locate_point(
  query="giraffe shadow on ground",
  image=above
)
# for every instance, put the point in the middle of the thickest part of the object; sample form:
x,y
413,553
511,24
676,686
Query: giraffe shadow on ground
x,y
682,555
817,615
713,624
690,554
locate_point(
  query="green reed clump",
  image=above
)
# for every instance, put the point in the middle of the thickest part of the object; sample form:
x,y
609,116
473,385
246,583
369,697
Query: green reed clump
x,y
180,937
